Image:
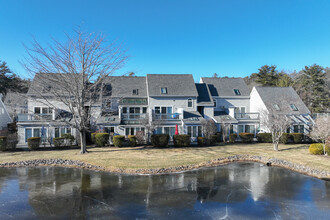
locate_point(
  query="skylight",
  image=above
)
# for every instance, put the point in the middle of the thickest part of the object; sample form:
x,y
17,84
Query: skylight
x,y
135,91
293,107
237,92
277,108
163,90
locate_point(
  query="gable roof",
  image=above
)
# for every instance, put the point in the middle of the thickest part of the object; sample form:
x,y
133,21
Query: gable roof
x,y
176,84
204,94
226,86
283,97
16,99
123,86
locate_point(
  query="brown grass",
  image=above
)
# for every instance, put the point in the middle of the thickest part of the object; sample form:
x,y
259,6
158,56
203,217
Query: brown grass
x,y
140,157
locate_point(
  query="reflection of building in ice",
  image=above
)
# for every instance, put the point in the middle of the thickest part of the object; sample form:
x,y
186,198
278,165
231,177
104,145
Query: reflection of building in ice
x,y
254,179
258,180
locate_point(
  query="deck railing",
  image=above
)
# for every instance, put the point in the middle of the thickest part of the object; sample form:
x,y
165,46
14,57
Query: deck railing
x,y
247,116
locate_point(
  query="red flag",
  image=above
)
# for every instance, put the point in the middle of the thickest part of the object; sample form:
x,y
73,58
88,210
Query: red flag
x,y
176,130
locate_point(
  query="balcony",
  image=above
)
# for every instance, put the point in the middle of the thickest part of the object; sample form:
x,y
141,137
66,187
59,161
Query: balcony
x,y
34,117
247,116
167,116
135,101
133,118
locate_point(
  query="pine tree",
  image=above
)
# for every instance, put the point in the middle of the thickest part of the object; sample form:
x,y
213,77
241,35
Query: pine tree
x,y
267,76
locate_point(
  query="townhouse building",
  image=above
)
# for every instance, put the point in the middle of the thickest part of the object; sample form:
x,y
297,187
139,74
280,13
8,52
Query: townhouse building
x,y
231,97
128,105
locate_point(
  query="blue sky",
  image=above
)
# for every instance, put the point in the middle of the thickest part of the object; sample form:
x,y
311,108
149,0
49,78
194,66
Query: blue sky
x,y
228,37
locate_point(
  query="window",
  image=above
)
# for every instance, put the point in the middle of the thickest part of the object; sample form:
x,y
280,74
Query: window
x,y
37,110
36,132
144,110
237,92
190,103
124,110
135,91
44,110
298,128
28,133
214,103
293,107
277,108
163,90
60,131
240,129
109,129
194,131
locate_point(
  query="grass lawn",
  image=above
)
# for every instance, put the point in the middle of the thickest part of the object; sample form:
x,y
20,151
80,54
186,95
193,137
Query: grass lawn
x,y
139,157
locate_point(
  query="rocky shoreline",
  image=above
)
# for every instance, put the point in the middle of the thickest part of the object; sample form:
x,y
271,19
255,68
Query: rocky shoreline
x,y
216,162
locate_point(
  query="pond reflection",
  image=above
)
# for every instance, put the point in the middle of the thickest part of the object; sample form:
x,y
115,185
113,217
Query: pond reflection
x,y
238,191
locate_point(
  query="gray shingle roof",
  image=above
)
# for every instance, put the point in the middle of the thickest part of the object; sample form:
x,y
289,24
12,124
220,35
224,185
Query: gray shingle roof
x,y
283,97
123,86
204,94
226,86
17,99
176,84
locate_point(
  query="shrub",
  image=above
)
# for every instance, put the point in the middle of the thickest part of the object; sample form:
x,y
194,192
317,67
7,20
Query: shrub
x,y
181,140
213,139
297,137
3,143
201,141
265,137
33,143
102,139
93,138
160,140
12,141
68,139
246,137
118,140
132,140
317,149
219,136
285,138
232,138
59,141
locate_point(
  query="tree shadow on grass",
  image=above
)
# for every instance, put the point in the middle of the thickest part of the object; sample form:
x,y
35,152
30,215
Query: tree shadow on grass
x,y
294,148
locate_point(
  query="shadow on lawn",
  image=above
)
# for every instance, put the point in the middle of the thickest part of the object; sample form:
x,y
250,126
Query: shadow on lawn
x,y
294,148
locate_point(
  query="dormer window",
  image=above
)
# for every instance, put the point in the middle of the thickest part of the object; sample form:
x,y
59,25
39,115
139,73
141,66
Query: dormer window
x,y
293,107
135,91
190,103
163,90
237,92
277,108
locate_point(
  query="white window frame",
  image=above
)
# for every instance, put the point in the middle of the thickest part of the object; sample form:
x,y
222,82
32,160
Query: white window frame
x,y
163,89
192,103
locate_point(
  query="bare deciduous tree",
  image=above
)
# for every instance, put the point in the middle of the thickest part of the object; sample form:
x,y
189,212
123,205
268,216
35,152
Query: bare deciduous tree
x,y
276,124
77,68
208,128
321,131
225,130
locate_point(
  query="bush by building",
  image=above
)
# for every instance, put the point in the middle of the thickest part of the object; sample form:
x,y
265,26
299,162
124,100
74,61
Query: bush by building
x,y
286,138
317,149
102,139
59,142
297,137
265,137
160,140
68,139
132,140
181,140
3,143
246,137
34,143
232,137
201,141
93,138
213,140
118,140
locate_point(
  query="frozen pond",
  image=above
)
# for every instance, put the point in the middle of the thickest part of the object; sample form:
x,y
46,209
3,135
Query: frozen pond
x,y
233,191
